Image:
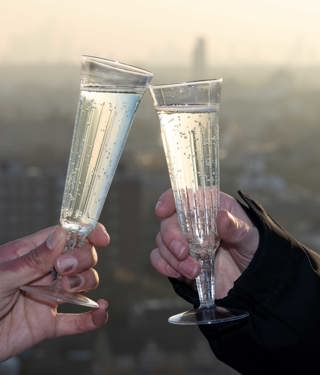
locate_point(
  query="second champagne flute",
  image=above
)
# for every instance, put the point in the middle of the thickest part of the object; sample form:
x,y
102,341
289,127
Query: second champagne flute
x,y
188,114
110,93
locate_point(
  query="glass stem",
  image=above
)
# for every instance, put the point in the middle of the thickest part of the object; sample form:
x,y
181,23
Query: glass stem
x,y
205,281
73,240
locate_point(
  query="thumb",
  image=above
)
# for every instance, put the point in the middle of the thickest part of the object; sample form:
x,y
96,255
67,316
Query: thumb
x,y
36,263
70,324
236,232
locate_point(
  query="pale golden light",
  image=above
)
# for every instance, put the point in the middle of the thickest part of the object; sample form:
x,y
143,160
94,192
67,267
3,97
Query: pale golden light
x,y
160,31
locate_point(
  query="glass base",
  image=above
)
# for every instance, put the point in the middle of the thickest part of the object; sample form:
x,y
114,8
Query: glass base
x,y
212,315
56,295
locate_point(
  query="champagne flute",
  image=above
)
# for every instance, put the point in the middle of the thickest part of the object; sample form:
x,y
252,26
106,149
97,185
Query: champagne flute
x,y
188,114
110,93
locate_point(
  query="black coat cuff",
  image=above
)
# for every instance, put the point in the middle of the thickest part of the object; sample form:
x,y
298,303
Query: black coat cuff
x,y
281,291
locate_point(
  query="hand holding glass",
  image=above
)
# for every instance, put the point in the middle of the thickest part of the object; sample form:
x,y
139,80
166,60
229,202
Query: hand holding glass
x,y
110,93
188,114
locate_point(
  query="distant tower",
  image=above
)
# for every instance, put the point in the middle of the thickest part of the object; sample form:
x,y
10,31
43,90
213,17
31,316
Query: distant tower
x,y
199,63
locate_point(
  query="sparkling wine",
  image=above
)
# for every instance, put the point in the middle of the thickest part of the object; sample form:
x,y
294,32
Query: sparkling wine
x,y
190,137
102,125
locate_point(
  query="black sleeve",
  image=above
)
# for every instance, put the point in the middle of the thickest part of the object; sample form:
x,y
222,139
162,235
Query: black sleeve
x,y
281,290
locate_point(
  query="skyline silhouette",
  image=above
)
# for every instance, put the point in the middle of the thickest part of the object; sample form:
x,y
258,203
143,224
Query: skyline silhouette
x,y
237,31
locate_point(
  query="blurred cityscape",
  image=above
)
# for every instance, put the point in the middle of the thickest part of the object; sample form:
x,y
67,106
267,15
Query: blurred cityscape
x,y
269,148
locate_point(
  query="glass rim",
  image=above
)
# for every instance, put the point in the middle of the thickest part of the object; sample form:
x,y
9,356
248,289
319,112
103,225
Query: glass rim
x,y
187,83
123,67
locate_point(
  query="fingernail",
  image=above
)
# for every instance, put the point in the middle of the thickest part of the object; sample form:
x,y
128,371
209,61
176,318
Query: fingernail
x,y
101,317
75,281
56,239
189,269
178,248
105,233
66,264
103,304
159,204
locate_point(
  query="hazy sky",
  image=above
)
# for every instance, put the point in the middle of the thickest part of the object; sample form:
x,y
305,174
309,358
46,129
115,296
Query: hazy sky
x,y
151,31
